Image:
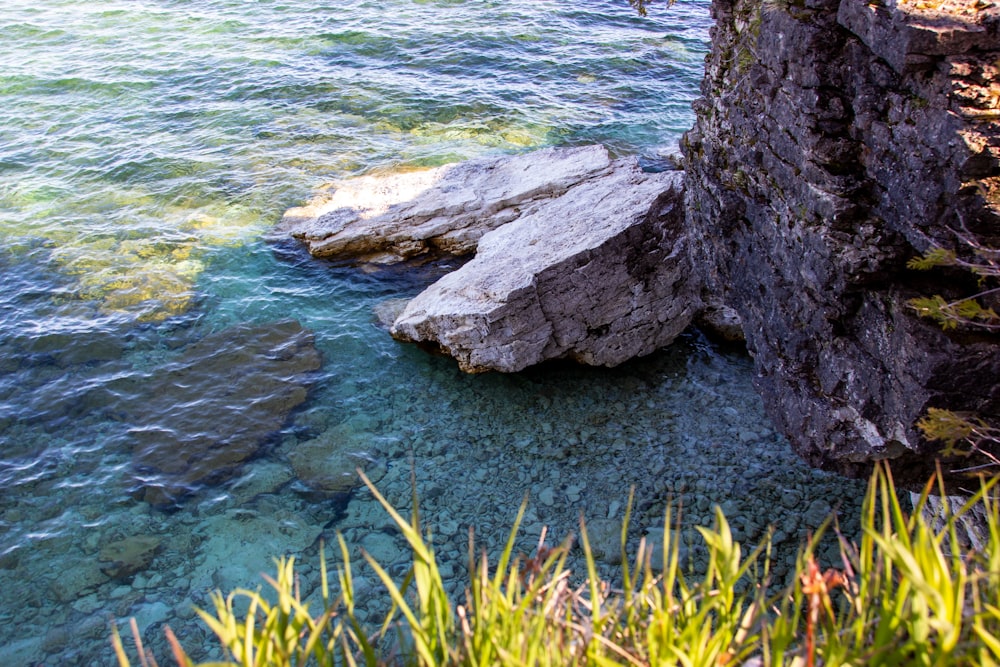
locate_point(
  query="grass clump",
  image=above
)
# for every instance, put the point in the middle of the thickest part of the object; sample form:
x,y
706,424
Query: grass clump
x,y
906,593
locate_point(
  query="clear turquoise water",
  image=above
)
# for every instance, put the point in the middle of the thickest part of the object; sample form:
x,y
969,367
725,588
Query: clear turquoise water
x,y
145,147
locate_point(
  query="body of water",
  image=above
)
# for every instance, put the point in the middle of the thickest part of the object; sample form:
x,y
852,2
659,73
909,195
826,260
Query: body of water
x,y
181,400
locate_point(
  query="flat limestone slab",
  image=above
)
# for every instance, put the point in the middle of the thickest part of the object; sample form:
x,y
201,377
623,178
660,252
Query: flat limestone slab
x,y
599,274
386,218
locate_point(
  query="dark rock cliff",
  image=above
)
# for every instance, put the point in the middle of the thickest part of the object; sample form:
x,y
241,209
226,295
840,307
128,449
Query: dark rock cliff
x,y
834,141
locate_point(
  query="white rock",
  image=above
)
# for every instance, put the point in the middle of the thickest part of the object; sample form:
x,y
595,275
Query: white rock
x,y
387,311
577,256
599,275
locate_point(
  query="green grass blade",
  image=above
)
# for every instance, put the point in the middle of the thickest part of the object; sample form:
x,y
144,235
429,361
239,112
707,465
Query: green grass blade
x,y
424,647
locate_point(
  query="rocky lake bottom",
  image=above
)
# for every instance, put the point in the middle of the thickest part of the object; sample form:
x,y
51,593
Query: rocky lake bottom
x,y
681,426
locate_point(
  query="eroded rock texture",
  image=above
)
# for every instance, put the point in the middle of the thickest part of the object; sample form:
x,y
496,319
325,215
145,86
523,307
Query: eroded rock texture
x,y
835,140
599,275
577,256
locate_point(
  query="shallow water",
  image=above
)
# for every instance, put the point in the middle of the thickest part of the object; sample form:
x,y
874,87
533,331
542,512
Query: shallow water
x,y
144,150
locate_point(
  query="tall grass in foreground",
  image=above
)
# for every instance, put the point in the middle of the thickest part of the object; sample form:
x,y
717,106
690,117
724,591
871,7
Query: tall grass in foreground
x,y
907,594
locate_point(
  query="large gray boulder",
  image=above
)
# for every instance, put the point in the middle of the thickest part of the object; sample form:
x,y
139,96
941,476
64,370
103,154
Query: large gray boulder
x,y
386,218
578,256
599,275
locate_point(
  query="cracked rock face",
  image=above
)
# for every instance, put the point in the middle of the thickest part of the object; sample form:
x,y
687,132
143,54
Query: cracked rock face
x,y
599,275
577,256
834,141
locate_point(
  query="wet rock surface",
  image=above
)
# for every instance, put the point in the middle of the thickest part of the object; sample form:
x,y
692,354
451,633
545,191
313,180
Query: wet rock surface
x,y
834,141
123,558
720,321
227,394
600,276
236,539
329,463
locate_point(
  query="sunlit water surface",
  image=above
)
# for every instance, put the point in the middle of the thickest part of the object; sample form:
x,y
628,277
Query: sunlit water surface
x,y
145,148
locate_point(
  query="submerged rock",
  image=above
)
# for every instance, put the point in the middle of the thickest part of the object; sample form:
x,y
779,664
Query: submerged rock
x,y
329,463
75,581
387,218
577,256
599,275
213,408
123,558
387,311
246,541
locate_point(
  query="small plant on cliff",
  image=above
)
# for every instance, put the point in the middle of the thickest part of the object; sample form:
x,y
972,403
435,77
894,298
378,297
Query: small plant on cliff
x,y
962,434
967,310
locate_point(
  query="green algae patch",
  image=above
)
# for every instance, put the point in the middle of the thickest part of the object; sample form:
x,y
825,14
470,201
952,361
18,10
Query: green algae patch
x,y
142,261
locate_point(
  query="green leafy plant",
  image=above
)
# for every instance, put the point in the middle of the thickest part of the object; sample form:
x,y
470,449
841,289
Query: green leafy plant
x,y
962,434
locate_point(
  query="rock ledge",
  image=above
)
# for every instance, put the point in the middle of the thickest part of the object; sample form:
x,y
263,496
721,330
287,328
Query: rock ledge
x,y
599,275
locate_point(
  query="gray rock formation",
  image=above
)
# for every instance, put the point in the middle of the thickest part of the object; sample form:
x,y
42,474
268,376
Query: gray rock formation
x,y
599,275
385,218
720,321
835,140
